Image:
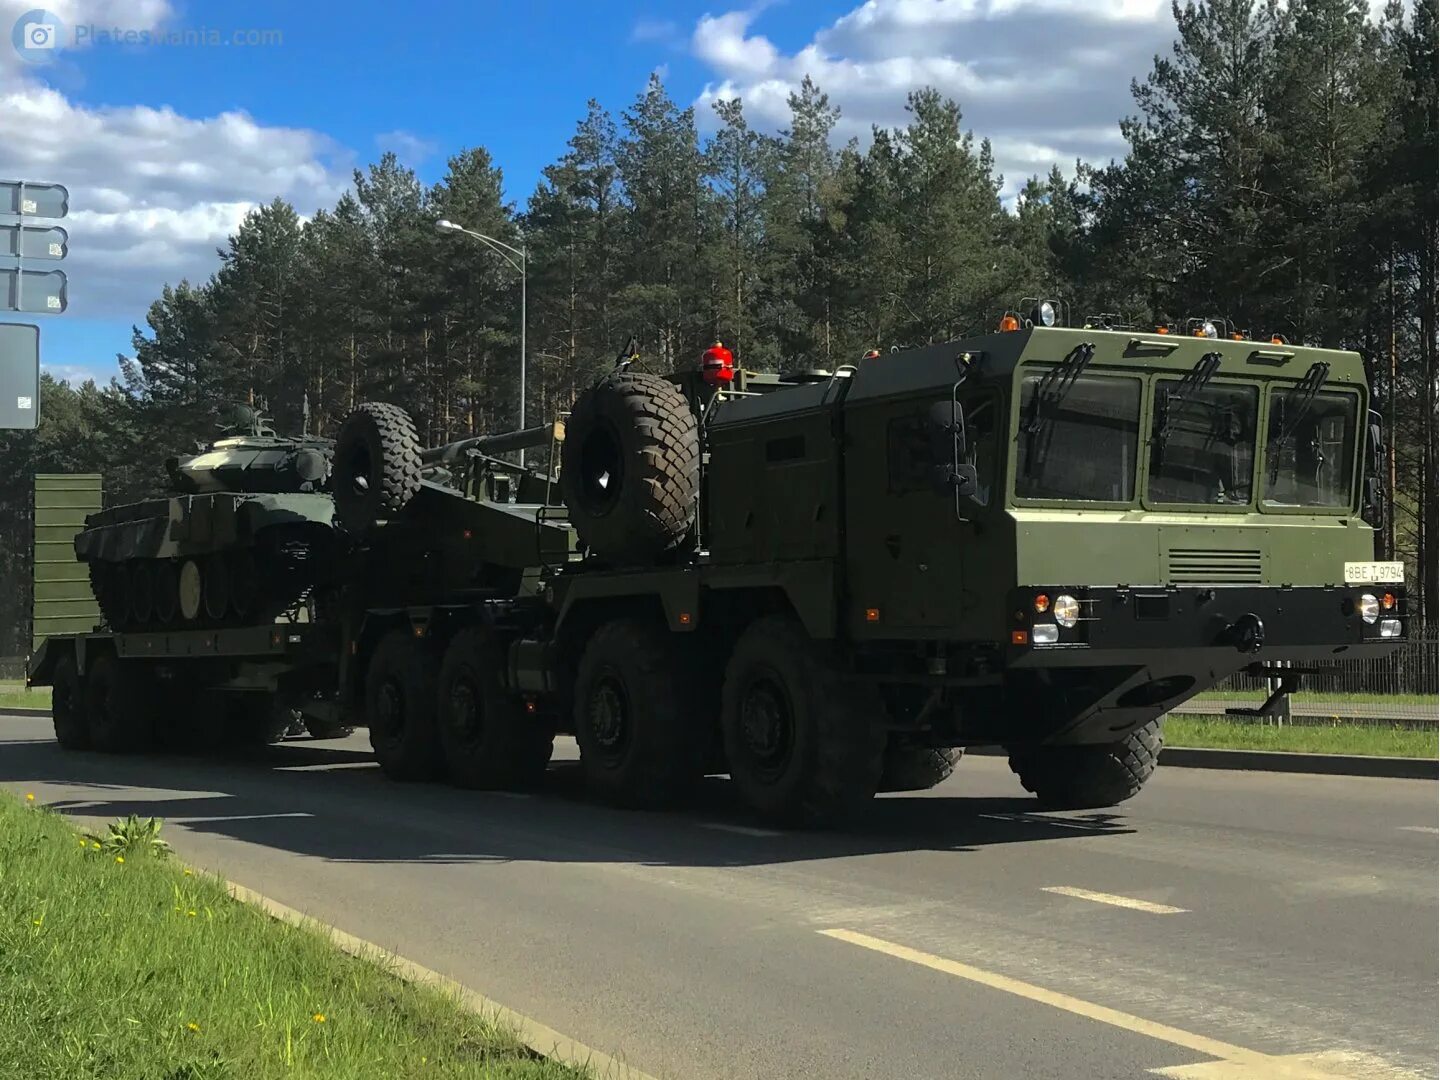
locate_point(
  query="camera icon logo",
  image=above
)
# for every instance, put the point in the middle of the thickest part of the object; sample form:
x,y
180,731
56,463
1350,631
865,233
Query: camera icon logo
x,y
36,36
39,35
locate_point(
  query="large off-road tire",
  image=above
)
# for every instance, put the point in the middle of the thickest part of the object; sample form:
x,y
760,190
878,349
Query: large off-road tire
x,y
1091,776
638,743
804,742
918,768
327,729
400,707
67,705
630,467
488,739
377,465
120,704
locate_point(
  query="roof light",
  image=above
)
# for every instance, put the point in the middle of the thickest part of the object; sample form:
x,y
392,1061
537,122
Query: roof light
x,y
1043,314
1206,330
1162,329
1008,323
1277,339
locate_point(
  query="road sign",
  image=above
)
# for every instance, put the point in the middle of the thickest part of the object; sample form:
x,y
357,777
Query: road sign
x,y
34,242
34,200
19,376
38,291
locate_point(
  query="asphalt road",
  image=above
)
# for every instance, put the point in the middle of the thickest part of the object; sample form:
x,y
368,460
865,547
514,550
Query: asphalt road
x,y
1221,925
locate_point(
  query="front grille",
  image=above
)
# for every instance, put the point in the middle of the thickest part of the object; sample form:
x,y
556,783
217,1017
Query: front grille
x,y
1207,566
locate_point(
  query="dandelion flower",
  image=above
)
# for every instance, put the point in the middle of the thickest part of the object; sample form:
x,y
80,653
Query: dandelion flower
x,y
189,874
29,796
190,913
119,858
192,1026
319,1018
82,841
95,844
37,922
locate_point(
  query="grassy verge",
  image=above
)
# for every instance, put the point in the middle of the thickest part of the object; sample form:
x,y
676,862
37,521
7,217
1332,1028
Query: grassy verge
x,y
1320,697
1372,739
138,969
13,695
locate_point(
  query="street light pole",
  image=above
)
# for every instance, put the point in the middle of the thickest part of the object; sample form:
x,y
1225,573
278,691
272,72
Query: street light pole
x,y
510,255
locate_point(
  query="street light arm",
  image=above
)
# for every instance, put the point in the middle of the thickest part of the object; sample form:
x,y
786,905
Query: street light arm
x,y
504,250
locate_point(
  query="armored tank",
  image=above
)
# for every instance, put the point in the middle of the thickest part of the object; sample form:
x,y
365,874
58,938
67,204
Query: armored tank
x,y
247,532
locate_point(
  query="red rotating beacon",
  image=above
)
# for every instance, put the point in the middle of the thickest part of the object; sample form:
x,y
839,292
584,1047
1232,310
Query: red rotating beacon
x,y
717,365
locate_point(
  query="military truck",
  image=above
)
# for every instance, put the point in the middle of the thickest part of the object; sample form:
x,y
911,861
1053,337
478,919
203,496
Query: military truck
x,y
830,583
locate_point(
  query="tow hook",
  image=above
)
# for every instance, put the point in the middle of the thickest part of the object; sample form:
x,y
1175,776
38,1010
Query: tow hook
x,y
1248,633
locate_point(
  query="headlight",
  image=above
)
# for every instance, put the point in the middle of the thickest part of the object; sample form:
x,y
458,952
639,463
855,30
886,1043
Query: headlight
x,y
1044,633
1389,628
1067,610
1369,608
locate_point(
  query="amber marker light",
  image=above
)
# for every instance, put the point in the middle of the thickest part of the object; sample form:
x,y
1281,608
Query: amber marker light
x,y
1019,637
1008,323
872,614
1387,602
1042,604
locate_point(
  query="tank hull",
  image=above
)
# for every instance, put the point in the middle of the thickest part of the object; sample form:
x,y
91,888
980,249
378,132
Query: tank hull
x,y
224,559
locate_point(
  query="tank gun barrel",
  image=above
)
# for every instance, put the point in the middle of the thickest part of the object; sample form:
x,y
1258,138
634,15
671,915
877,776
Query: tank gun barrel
x,y
524,439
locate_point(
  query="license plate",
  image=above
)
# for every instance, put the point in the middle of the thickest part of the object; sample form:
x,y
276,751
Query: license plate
x,y
1374,573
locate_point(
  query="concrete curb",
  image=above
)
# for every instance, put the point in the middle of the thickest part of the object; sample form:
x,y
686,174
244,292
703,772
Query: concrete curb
x,y
543,1040
1281,761
24,712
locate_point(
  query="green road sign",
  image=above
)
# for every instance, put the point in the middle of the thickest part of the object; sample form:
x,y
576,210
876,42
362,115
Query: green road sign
x,y
34,200
38,291
19,376
34,242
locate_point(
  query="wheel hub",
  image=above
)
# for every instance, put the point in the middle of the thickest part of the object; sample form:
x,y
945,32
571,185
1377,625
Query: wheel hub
x,y
466,719
767,727
390,707
609,715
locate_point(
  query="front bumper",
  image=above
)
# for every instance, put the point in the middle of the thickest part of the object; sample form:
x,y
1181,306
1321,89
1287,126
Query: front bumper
x,y
1240,624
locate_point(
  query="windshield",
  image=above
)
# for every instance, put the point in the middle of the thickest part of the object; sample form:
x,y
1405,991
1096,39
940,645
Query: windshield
x,y
1310,453
1084,448
1202,443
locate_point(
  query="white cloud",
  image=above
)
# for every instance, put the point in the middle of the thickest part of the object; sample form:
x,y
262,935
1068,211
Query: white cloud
x,y
661,30
153,193
107,14
410,148
1046,80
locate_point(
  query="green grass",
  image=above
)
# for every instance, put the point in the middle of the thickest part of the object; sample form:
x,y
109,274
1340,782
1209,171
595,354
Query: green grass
x,y
135,970
13,695
1374,739
1324,697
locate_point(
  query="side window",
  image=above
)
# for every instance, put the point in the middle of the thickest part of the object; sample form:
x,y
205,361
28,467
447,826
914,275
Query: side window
x,y
911,457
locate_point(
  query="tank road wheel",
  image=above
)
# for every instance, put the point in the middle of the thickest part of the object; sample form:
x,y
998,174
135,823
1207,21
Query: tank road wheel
x,y
805,744
638,746
631,467
488,739
67,705
215,582
191,590
400,707
1088,777
142,591
377,465
120,705
105,583
167,592
244,580
917,768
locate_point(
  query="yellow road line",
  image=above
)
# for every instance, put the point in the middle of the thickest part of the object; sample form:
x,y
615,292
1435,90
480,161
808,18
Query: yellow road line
x,y
1115,901
1250,1063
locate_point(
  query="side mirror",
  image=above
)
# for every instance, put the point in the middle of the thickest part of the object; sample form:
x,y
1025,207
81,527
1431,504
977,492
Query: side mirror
x,y
966,481
945,424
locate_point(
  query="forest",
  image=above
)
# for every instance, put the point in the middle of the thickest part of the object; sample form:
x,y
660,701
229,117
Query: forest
x,y
1280,172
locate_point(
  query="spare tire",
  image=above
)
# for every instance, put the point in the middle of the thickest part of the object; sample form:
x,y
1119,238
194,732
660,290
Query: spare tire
x,y
630,467
377,465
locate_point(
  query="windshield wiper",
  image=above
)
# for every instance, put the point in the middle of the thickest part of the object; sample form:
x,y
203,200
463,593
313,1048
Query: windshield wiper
x,y
1292,411
1187,390
1052,389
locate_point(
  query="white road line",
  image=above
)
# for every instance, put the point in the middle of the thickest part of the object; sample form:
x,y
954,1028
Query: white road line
x,y
1031,820
1239,1061
1114,901
1430,829
742,830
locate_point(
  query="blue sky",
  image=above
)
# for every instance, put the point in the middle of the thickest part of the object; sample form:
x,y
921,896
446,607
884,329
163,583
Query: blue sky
x,y
165,147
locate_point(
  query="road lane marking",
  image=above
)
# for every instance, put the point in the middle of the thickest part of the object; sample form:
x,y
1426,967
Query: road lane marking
x,y
742,830
1113,900
1327,1063
1431,829
1245,1062
1028,819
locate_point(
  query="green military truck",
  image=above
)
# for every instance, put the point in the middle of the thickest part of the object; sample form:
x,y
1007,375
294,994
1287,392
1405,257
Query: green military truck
x,y
828,584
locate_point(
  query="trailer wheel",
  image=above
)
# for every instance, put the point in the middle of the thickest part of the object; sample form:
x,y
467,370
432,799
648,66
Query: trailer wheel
x,y
400,708
488,739
630,467
377,465
805,744
1090,776
120,703
918,768
67,705
327,729
637,744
